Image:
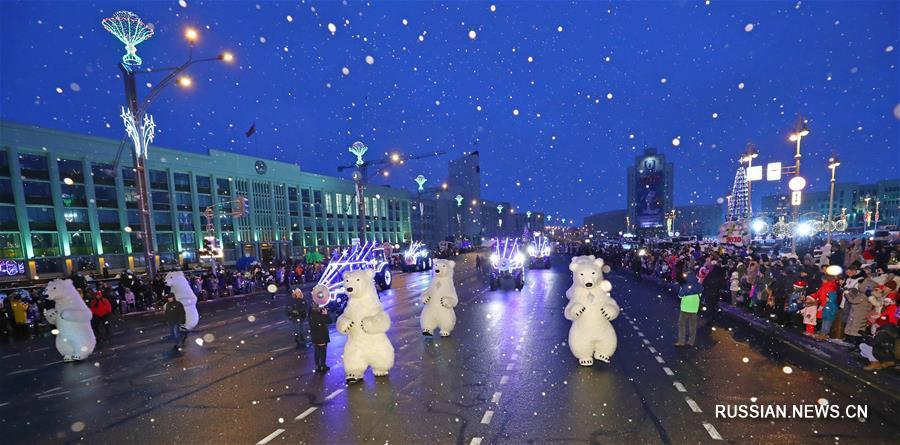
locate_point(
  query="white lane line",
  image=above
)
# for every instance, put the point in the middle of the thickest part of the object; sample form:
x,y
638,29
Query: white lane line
x,y
154,375
668,371
504,379
40,349
334,394
308,411
53,395
509,367
11,355
4,403
270,436
694,406
518,347
712,431
404,346
475,441
660,359
49,390
488,415
142,341
514,356
679,387
652,349
90,378
646,342
281,349
496,397
21,371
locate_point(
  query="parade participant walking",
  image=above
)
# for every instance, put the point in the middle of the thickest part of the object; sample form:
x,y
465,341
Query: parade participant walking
x,y
175,318
100,308
319,319
299,311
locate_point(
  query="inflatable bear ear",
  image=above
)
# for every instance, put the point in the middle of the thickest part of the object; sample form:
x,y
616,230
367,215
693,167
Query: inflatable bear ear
x,y
605,286
573,265
591,257
370,273
598,262
606,269
452,263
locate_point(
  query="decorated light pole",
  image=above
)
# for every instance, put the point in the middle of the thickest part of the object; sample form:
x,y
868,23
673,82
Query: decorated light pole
x,y
867,215
359,176
139,126
877,205
797,183
833,164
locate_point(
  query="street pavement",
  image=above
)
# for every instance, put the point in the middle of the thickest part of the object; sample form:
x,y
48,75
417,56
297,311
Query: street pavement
x,y
506,375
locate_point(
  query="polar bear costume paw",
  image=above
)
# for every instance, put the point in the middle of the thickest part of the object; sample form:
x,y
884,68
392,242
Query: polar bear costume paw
x,y
427,333
68,358
379,372
445,333
586,362
445,304
601,357
605,314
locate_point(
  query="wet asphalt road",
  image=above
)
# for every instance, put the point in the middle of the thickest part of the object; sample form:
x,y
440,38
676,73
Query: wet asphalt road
x,y
505,376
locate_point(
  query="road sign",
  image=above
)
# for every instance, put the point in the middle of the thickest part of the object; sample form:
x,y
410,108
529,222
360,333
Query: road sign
x,y
773,171
796,198
755,173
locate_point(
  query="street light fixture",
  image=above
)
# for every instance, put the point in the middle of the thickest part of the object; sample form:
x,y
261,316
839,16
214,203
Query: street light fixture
x,y
139,126
797,136
833,164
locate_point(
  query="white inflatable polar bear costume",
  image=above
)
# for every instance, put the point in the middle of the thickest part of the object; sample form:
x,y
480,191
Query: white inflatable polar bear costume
x,y
185,295
75,340
365,323
439,300
591,310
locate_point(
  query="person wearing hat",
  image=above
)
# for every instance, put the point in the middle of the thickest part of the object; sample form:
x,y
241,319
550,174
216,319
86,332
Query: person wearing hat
x,y
858,308
175,318
319,319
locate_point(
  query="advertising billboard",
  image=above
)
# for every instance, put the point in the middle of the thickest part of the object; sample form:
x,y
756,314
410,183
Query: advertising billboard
x,y
650,193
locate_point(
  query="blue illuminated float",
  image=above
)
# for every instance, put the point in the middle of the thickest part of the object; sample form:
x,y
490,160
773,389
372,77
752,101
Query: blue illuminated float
x,y
507,262
371,255
539,251
416,258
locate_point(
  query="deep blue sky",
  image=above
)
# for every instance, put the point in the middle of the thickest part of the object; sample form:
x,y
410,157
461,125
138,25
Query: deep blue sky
x,y
670,67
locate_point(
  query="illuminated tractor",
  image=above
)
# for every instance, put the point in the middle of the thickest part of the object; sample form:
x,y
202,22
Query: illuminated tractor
x,y
539,252
416,258
507,263
370,255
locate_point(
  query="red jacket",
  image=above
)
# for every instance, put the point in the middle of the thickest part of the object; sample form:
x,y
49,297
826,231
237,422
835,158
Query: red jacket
x,y
100,307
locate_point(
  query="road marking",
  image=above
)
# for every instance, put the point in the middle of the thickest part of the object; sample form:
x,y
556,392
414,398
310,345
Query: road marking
x,y
270,436
404,346
308,411
680,387
488,415
640,334
90,378
282,349
496,397
668,371
4,403
53,363
11,355
142,341
504,379
334,394
660,359
53,395
519,347
646,342
509,367
652,349
475,441
40,349
21,371
49,390
154,375
712,431
694,406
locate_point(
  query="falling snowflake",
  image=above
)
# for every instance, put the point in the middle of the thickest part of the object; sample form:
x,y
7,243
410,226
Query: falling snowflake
x,y
787,370
748,27
559,28
332,28
715,115
663,80
251,318
889,48
405,22
609,96
78,427
472,34
262,40
370,60
741,86
290,18
182,3
478,107
515,111
493,8
530,59
676,141
345,71
74,87
59,90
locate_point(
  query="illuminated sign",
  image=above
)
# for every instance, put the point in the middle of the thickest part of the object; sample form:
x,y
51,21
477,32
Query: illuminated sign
x,y
773,171
11,268
755,173
796,198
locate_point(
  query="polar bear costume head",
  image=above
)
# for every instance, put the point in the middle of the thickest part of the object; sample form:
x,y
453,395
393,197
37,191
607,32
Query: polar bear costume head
x,y
443,269
587,272
360,284
181,288
65,295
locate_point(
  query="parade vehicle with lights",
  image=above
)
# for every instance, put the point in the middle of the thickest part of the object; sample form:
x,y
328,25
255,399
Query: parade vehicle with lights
x,y
371,255
539,252
507,262
416,258
446,250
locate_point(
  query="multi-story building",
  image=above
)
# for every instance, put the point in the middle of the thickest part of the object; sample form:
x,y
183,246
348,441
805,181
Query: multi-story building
x,y
610,223
464,179
849,197
64,207
699,220
650,188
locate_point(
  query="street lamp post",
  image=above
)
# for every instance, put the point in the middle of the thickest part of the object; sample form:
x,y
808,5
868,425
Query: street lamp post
x,y
748,157
833,164
877,204
139,126
797,137
866,215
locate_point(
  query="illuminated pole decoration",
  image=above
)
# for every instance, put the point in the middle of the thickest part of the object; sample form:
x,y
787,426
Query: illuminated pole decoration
x,y
141,134
877,204
131,31
797,137
459,200
500,213
739,204
866,213
420,180
359,149
833,164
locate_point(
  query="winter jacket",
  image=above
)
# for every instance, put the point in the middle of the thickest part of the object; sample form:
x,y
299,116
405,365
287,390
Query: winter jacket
x,y
318,326
689,293
828,299
20,311
859,309
100,307
174,312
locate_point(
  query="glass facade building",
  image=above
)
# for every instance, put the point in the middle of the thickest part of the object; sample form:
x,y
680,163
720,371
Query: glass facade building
x,y
64,207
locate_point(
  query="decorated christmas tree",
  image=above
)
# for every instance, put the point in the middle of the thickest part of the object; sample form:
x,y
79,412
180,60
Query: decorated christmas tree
x,y
739,207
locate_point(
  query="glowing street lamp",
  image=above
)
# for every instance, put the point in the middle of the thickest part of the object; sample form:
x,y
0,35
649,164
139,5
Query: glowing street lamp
x,y
877,204
833,164
420,180
459,200
358,149
866,213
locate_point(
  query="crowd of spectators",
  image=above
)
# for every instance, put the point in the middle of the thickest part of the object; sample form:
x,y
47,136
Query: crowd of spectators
x,y
853,305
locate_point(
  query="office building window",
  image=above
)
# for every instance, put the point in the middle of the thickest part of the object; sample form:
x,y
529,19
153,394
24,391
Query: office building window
x,y
45,244
165,242
80,243
163,220
182,182
108,219
204,185
103,174
137,243
41,218
106,197
6,191
73,195
45,266
34,166
128,177
204,201
159,180
71,169
10,245
131,198
37,192
160,200
185,221
4,163
76,219
188,240
223,187
8,219
183,201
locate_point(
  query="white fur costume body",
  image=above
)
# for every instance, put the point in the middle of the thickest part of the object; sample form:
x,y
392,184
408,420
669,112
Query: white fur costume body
x,y
185,295
75,340
365,323
591,310
439,300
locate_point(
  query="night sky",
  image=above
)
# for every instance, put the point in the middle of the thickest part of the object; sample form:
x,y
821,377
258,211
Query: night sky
x,y
558,97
